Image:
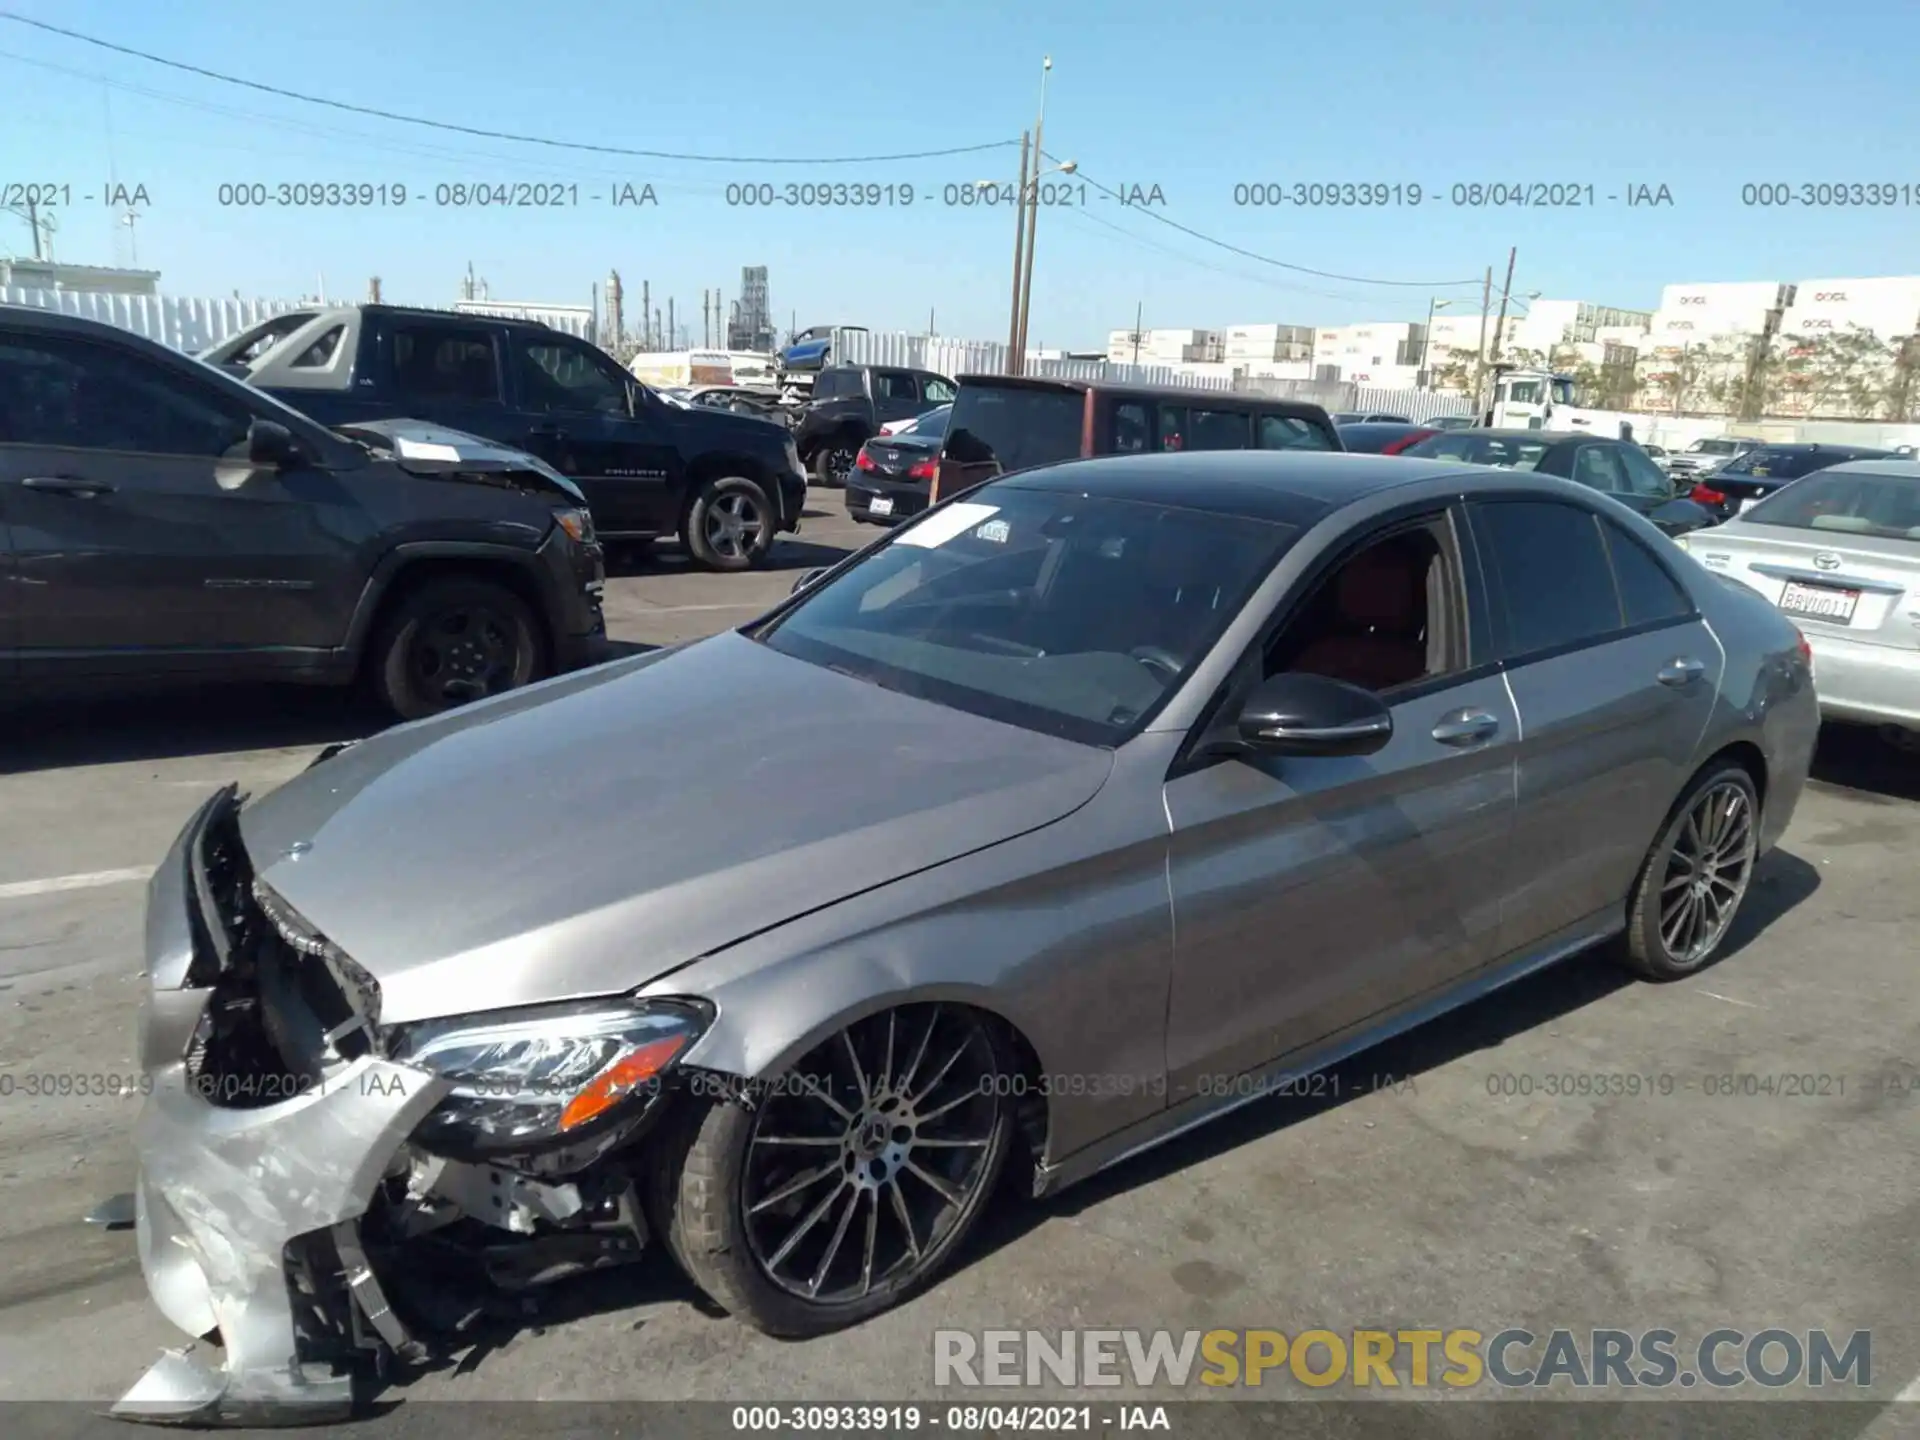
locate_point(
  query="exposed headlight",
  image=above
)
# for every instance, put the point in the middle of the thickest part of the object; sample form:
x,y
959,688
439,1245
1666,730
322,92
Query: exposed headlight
x,y
526,1079
577,523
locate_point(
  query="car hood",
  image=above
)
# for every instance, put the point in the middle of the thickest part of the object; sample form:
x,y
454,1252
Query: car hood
x,y
588,835
423,448
727,427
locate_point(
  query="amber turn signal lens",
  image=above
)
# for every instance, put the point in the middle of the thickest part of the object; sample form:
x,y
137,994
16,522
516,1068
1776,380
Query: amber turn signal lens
x,y
620,1079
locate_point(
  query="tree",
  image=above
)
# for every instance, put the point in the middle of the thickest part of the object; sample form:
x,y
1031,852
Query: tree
x,y
1903,385
1844,374
1457,371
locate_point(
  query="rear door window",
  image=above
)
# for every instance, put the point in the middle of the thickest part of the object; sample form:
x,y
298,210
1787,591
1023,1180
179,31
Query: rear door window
x,y
1219,430
1648,591
1599,468
1555,578
895,387
444,362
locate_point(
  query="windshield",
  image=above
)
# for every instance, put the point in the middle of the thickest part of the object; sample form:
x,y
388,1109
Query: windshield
x,y
1849,502
1070,614
1509,452
1525,392
1779,464
1015,426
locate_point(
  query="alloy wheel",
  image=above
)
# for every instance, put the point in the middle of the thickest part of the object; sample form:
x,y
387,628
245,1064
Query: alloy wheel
x,y
1709,868
464,654
863,1160
733,525
840,463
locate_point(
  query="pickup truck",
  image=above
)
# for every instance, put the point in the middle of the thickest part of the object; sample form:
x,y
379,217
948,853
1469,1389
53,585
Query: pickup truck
x,y
724,484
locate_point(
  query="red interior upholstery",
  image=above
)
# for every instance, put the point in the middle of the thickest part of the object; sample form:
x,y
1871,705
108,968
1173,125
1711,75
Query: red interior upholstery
x,y
1376,639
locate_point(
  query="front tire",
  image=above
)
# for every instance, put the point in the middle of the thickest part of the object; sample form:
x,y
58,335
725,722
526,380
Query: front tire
x,y
730,525
451,642
850,1181
1695,877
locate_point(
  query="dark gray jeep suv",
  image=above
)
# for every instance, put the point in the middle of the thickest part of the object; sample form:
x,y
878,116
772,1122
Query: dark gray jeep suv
x,y
160,518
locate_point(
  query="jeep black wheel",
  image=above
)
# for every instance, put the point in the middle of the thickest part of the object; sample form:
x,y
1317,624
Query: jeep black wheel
x,y
454,641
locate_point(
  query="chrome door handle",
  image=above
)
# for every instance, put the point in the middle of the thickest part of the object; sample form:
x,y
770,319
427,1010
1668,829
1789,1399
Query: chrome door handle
x,y
67,485
1681,670
1466,727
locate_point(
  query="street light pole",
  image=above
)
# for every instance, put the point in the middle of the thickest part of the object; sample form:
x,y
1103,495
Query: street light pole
x,y
1019,254
1033,211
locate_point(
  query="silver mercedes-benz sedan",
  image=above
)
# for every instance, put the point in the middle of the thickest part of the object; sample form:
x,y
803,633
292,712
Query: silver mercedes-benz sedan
x,y
1088,805
1839,553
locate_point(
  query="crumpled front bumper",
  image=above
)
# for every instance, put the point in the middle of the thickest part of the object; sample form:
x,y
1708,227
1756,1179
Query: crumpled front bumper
x,y
223,1191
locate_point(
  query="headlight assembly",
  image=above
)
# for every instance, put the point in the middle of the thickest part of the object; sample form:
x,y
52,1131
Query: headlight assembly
x,y
530,1079
577,523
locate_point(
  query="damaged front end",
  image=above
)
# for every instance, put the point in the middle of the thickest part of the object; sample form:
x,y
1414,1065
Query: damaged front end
x,y
323,1196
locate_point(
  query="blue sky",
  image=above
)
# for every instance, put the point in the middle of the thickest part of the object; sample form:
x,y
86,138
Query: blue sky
x,y
1700,96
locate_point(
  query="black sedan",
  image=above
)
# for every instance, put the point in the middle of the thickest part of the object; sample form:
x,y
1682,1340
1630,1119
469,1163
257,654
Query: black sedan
x,y
1616,467
892,474
1746,480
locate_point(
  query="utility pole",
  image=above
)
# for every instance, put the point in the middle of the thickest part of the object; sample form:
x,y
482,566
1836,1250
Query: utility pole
x,y
646,318
672,328
1138,307
1480,358
1019,258
1506,290
1033,210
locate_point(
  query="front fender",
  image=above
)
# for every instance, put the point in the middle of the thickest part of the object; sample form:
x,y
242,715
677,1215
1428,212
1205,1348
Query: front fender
x,y
1065,934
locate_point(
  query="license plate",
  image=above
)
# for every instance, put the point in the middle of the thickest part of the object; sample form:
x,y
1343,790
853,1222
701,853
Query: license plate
x,y
880,505
1818,603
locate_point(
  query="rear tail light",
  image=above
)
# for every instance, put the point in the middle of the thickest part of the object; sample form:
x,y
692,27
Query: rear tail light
x,y
1806,647
1394,447
922,471
863,461
1706,495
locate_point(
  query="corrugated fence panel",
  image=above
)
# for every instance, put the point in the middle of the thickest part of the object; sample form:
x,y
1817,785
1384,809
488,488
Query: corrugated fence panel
x,y
182,322
1416,405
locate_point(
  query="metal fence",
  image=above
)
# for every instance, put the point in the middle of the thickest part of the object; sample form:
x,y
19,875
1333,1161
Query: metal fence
x,y
185,324
948,356
193,325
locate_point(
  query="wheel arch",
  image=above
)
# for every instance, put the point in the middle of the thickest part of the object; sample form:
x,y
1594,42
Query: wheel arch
x,y
403,570
747,1050
719,465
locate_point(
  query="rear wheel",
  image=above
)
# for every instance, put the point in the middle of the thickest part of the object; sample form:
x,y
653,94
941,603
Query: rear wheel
x,y
851,1179
730,525
833,463
1696,876
453,641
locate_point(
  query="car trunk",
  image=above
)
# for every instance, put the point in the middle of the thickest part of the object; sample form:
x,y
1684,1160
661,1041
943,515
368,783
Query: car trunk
x,y
1828,582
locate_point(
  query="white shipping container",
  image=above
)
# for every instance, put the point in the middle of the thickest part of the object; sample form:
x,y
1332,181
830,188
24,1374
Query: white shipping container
x,y
1283,370
1740,295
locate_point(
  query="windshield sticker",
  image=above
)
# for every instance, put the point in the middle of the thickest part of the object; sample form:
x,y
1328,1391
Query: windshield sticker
x,y
943,525
995,531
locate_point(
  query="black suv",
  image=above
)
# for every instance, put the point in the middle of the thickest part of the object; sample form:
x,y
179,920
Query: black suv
x,y
724,484
1747,479
159,517
850,403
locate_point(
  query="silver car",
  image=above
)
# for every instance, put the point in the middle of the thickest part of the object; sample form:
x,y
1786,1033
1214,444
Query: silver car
x,y
1083,808
1838,552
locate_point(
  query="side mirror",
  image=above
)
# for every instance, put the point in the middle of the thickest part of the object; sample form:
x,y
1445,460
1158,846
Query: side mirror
x,y
1295,714
807,579
271,446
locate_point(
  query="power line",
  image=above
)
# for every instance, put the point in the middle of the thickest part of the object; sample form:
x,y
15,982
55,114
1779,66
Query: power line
x,y
1081,174
517,138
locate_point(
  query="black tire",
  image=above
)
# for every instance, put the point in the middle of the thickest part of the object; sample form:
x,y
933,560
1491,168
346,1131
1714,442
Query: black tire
x,y
829,468
730,525
453,641
700,1197
1659,944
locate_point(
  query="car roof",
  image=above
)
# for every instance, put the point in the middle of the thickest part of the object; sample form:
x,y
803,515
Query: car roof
x,y
1895,467
1144,392
1552,437
1292,487
1813,447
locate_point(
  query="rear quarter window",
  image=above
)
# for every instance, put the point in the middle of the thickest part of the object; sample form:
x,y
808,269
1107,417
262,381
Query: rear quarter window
x,y
1290,432
1015,426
